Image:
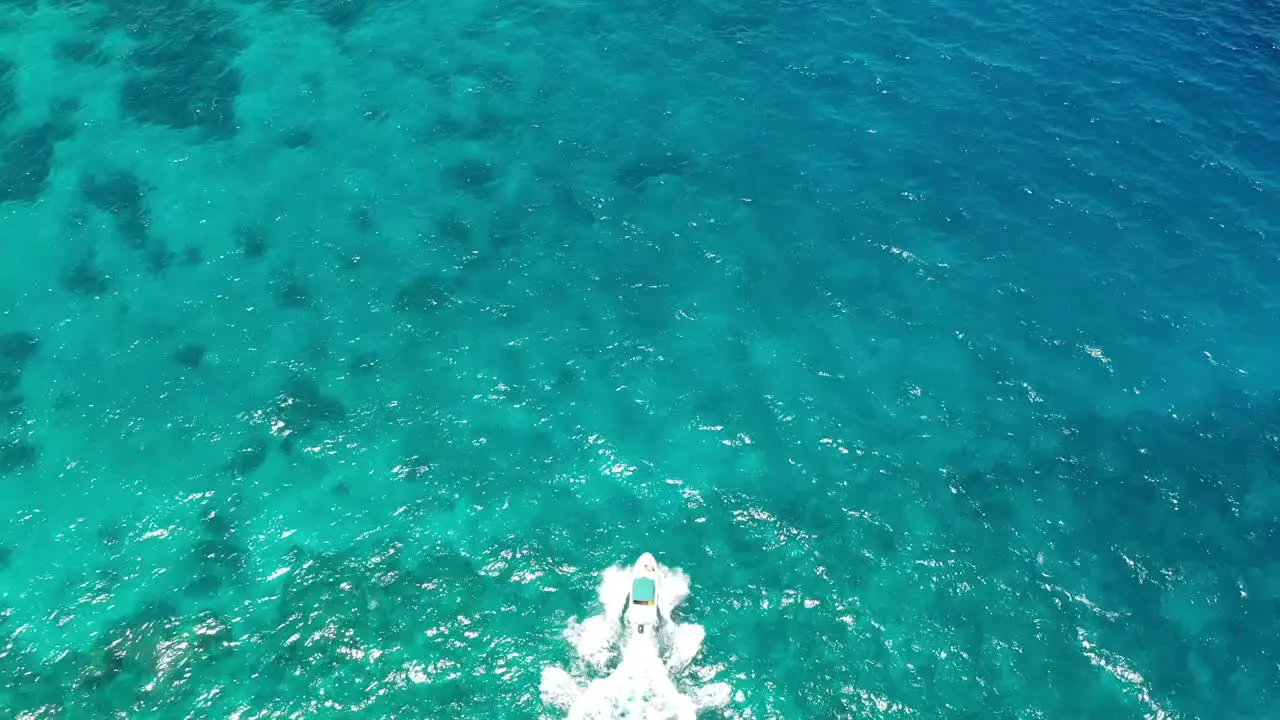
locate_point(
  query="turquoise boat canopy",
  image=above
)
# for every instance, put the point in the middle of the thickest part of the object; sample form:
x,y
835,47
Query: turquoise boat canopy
x,y
642,591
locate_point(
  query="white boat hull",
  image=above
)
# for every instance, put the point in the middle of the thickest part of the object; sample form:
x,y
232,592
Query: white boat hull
x,y
642,604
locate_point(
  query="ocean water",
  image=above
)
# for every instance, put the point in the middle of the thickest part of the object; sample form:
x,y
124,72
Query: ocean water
x,y
348,349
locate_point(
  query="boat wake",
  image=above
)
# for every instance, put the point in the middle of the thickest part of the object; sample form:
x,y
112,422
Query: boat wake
x,y
623,674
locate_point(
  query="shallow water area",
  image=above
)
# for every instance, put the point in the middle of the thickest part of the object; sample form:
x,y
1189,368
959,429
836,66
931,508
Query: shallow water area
x,y
342,343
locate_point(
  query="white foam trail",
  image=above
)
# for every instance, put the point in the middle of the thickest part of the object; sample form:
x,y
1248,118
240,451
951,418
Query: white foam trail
x,y
683,642
712,696
559,689
596,638
643,684
638,688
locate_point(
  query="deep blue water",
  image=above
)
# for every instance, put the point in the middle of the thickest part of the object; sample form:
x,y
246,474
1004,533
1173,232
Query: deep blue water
x,y
343,344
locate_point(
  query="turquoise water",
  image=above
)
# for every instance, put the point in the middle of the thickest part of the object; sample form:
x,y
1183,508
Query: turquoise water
x,y
344,345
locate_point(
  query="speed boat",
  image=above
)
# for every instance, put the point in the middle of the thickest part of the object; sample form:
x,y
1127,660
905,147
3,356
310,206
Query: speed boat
x,y
642,605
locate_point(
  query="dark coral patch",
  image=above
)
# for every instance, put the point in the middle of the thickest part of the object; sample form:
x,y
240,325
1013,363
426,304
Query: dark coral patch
x,y
184,75
218,554
567,202
25,163
473,176
448,125
158,258
17,455
341,15
640,171
16,348
415,467
455,229
123,660
8,92
252,242
363,363
292,294
295,138
424,293
496,77
120,194
78,50
487,125
504,235
248,457
111,535
11,405
190,356
157,98
84,278
202,586
567,376
216,562
217,524
363,219
302,407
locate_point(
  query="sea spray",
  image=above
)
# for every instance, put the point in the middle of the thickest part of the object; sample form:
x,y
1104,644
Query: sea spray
x,y
629,675
596,639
